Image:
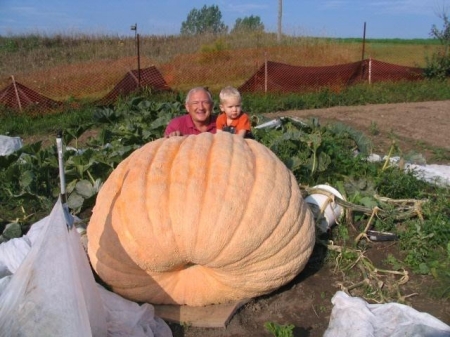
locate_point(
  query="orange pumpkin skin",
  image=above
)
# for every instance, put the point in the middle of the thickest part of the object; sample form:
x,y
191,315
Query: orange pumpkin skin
x,y
199,220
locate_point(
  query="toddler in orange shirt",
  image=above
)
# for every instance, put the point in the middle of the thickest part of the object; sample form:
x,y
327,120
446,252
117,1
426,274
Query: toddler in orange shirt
x,y
232,119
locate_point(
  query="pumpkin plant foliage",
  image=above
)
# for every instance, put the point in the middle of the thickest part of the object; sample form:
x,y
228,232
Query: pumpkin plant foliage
x,y
29,181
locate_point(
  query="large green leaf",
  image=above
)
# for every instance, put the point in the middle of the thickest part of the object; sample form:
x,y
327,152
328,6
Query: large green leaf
x,y
75,201
85,189
26,178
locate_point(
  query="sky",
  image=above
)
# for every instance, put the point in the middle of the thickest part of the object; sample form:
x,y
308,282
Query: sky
x,y
405,19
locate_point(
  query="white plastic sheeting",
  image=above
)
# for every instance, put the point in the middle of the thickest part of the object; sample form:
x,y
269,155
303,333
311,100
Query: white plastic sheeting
x,y
353,317
47,289
431,173
9,145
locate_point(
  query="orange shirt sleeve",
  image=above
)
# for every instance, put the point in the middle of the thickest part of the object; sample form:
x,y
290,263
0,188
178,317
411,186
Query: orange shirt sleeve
x,y
243,123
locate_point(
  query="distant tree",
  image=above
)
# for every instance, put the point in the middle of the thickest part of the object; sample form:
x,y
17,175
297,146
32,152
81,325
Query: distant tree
x,y
205,20
443,35
248,24
438,66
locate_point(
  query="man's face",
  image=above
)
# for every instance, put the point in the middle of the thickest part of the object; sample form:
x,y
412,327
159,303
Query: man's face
x,y
199,107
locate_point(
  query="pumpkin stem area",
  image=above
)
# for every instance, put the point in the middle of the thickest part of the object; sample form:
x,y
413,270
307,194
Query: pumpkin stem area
x,y
189,265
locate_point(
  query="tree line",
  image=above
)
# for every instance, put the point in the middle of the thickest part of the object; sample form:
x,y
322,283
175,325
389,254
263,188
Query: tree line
x,y
208,19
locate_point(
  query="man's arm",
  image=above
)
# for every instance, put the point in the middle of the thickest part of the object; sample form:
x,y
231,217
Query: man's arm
x,y
173,129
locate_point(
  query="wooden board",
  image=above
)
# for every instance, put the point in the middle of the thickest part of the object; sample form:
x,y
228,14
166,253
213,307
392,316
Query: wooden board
x,y
211,316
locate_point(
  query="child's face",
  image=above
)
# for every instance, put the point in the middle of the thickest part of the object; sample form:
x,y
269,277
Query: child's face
x,y
232,107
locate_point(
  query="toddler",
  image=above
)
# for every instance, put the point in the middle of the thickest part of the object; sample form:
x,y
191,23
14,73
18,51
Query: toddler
x,y
232,119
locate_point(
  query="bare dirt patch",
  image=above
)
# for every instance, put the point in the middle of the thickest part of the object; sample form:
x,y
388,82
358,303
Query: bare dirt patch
x,y
306,301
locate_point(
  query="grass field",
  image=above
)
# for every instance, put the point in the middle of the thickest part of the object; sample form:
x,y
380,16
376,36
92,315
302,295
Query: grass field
x,y
87,67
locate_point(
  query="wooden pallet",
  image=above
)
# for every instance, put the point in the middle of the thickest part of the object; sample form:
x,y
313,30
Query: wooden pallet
x,y
211,316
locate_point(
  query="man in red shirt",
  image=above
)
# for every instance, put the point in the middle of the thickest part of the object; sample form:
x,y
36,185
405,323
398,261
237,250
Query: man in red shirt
x,y
199,105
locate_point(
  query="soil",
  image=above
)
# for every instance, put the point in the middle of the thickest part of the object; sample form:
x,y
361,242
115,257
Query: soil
x,y
306,301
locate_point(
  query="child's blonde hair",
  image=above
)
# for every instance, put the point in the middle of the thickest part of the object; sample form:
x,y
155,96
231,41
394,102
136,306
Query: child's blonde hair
x,y
228,92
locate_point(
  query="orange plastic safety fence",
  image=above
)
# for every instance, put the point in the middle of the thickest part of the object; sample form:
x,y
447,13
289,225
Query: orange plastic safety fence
x,y
250,70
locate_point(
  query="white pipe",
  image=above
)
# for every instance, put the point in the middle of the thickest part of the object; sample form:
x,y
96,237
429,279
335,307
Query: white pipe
x,y
62,178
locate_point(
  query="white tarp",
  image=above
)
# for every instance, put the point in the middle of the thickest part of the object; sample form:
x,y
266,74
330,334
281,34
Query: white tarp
x,y
431,173
354,317
9,145
47,289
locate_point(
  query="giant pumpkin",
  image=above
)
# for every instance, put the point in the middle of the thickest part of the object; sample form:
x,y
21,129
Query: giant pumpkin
x,y
199,220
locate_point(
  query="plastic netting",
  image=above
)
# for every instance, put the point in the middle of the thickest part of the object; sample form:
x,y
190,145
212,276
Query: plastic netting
x,y
103,82
48,289
279,77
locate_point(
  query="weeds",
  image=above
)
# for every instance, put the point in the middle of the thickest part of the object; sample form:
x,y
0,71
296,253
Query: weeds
x,y
280,330
440,154
375,283
374,130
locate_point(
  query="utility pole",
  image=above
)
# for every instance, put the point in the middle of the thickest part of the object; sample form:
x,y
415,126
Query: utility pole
x,y
364,42
136,39
280,14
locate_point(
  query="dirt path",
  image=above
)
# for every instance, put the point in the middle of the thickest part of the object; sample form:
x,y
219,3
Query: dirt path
x,y
422,127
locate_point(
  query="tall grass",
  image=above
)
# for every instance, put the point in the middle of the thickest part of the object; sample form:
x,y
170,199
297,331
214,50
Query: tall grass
x,y
78,48
41,57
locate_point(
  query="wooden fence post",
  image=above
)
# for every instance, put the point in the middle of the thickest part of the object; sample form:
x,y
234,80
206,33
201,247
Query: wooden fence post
x,y
17,93
265,72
